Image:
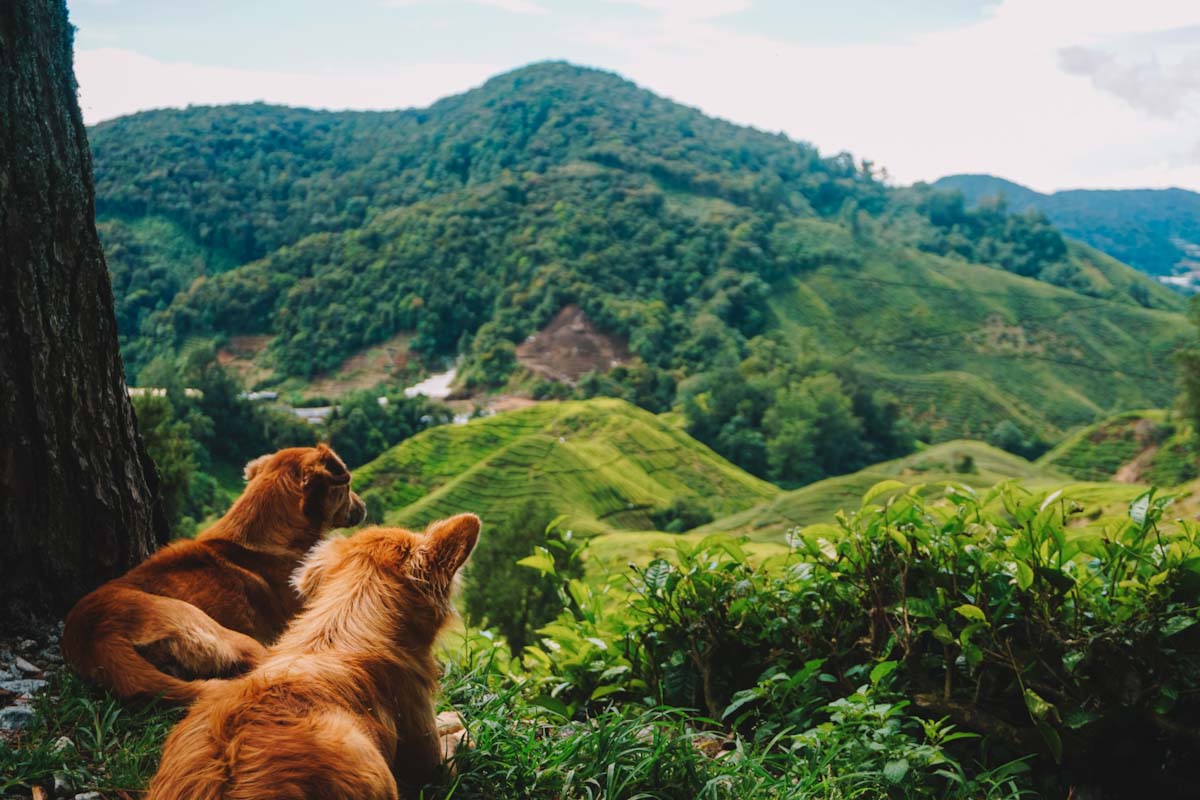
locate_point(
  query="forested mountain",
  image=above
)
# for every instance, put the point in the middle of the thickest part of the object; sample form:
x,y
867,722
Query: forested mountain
x,y
800,311
1155,230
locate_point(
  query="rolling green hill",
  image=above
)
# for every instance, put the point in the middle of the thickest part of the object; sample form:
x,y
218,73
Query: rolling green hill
x,y
1155,230
463,228
604,463
971,463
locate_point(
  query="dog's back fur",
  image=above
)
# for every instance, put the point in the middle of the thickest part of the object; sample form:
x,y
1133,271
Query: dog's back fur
x,y
342,706
205,608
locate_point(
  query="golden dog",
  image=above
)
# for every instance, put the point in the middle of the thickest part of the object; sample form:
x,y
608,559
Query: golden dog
x,y
204,608
342,706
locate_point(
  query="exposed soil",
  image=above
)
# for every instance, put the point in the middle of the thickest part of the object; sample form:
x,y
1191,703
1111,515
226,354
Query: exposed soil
x,y
240,356
570,346
363,370
1132,471
510,402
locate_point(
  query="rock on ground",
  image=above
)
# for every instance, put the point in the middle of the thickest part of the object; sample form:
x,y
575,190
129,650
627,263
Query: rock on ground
x,y
23,665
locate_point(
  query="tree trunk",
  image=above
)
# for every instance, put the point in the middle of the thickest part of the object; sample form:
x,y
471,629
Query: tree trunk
x,y
78,499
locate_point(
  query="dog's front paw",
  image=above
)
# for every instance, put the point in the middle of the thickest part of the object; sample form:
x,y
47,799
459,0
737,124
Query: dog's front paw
x,y
449,722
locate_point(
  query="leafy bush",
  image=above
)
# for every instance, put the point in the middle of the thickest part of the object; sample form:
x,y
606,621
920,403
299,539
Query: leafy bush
x,y
868,748
502,593
991,612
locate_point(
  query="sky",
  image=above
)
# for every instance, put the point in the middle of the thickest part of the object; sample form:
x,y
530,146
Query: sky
x,y
1053,94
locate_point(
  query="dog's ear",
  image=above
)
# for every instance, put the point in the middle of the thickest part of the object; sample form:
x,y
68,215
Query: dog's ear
x,y
323,465
255,466
449,542
308,576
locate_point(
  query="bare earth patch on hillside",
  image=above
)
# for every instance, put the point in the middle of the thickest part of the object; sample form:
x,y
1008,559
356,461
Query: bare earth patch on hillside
x,y
365,369
241,356
569,346
1132,471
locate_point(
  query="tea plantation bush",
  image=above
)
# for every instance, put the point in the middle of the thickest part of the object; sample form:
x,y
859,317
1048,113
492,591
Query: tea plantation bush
x,y
957,637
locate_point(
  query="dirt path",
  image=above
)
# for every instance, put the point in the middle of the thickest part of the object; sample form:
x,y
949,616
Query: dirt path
x,y
1132,471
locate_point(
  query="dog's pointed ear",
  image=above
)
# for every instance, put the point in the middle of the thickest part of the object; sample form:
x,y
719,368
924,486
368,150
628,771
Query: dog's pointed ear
x,y
255,466
308,576
449,542
324,465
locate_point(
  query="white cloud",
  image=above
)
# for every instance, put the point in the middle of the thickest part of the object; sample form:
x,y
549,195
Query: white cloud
x,y
113,82
690,9
511,6
514,6
989,96
1146,84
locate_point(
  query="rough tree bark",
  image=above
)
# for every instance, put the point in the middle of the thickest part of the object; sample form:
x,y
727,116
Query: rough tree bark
x,y
78,500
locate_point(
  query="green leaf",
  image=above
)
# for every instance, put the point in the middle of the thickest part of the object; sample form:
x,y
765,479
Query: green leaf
x,y
722,541
1139,508
740,699
972,612
605,691
1059,580
553,705
1076,718
973,654
1177,624
656,575
1039,707
1053,740
883,487
1024,576
895,771
942,634
1050,498
964,636
882,670
542,561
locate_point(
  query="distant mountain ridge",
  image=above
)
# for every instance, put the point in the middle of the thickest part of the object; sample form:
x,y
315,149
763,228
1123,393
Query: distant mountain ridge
x,y
1154,230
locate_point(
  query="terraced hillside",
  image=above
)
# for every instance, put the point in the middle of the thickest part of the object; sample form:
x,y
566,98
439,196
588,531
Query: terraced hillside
x,y
1134,447
604,463
964,345
969,463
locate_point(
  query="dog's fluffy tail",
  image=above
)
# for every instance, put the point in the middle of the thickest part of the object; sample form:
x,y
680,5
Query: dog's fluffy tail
x,y
107,632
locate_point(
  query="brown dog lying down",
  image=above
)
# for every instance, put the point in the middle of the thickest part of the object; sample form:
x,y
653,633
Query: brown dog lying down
x,y
342,706
204,608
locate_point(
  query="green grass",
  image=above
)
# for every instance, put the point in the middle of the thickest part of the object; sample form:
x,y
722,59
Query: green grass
x,y
605,464
518,749
965,346
114,746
